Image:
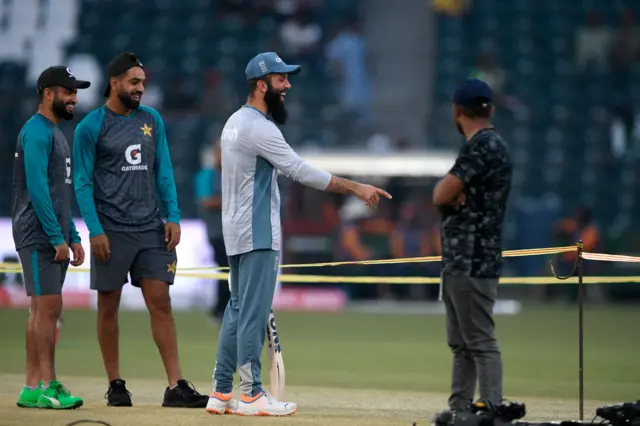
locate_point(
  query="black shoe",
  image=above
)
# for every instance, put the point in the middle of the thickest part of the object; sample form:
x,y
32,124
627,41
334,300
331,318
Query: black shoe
x,y
184,395
118,395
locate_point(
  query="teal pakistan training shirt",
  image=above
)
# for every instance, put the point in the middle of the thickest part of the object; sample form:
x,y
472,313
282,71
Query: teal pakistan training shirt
x,y
41,199
121,165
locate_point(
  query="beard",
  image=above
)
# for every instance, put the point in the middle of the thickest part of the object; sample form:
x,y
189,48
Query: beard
x,y
60,109
275,105
127,100
459,127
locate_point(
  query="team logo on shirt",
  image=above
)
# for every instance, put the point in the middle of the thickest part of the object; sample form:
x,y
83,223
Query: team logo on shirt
x,y
146,130
133,155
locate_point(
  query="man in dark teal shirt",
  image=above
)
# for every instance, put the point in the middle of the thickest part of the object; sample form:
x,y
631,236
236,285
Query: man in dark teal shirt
x,y
43,231
121,164
208,185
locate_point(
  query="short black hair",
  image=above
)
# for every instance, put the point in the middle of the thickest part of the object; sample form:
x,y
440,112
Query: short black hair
x,y
41,92
252,84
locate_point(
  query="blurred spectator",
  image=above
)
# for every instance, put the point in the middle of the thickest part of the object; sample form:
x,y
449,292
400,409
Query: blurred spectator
x,y
365,235
488,71
208,186
569,230
623,52
413,237
623,129
451,7
348,57
592,43
300,36
289,7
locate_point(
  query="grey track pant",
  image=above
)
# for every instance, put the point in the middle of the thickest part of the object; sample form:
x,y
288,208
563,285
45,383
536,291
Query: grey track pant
x,y
470,334
253,278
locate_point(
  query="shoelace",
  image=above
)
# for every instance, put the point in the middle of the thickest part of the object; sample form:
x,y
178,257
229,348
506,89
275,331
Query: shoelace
x,y
113,389
60,390
270,398
189,387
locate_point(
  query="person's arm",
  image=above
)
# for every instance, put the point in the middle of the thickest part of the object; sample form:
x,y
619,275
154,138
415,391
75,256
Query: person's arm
x,y
351,242
397,244
205,191
468,165
37,148
84,154
75,236
267,142
165,180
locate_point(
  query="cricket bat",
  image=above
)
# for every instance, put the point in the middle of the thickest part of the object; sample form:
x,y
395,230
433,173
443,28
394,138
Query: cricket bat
x,y
276,373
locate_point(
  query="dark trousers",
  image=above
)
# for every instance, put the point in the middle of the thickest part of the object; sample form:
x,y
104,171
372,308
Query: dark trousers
x,y
470,334
221,259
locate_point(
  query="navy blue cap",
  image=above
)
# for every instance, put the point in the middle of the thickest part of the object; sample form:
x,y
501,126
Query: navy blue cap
x,y
268,63
472,93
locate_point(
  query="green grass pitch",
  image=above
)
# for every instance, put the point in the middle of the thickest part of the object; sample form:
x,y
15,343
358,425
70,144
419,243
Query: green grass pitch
x,y
351,368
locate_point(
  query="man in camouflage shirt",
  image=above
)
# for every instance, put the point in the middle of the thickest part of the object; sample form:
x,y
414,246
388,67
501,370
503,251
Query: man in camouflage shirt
x,y
473,198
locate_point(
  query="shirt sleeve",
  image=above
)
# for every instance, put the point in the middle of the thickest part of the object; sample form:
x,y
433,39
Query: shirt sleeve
x,y
204,184
84,154
267,141
75,236
469,164
165,180
37,148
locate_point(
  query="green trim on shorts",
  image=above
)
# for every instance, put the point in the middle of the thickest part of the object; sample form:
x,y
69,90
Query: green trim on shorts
x,y
36,272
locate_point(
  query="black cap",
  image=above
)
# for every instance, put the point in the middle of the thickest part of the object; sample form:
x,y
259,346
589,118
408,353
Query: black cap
x,y
60,75
121,64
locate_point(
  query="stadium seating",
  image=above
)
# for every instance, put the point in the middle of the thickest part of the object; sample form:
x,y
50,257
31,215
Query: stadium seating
x,y
564,145
184,39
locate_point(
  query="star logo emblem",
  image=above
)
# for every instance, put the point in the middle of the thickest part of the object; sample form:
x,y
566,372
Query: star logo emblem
x,y
146,130
171,267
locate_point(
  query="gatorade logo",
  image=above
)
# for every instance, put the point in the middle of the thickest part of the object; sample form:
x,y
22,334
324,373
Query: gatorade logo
x,y
133,155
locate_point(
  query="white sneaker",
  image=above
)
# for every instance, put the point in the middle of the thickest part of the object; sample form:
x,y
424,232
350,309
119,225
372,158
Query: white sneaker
x,y
264,404
221,403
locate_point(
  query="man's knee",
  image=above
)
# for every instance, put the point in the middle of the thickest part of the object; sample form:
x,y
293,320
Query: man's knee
x,y
481,345
109,303
156,296
459,349
49,306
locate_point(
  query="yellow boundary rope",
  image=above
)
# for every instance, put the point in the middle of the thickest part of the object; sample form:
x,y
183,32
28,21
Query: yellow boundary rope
x,y
300,278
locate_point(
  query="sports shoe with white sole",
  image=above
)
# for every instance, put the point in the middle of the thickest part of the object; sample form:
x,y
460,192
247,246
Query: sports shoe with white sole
x,y
264,404
221,403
